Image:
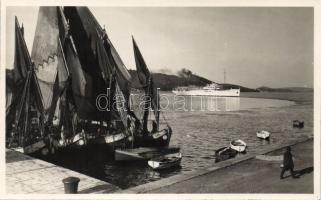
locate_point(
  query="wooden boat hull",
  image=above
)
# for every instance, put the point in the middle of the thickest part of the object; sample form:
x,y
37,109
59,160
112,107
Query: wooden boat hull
x,y
32,148
121,155
224,153
165,162
157,139
75,141
143,153
263,135
298,124
116,140
238,145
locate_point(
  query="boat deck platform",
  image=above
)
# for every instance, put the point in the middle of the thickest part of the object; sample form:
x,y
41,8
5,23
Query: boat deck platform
x,y
28,175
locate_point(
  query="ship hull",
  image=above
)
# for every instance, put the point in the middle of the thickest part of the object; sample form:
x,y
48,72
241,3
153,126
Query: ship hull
x,y
219,93
157,139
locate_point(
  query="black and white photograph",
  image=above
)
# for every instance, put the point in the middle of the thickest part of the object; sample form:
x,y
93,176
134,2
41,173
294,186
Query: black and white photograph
x,y
160,99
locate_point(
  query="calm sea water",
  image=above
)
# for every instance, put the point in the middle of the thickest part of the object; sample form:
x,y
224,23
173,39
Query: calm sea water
x,y
200,126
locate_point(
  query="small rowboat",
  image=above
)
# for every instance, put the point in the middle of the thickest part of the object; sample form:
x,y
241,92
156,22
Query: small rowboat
x,y
263,134
224,153
238,145
166,161
298,124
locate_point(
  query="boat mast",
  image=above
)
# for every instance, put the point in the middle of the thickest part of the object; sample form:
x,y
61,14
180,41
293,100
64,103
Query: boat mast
x,y
147,103
224,76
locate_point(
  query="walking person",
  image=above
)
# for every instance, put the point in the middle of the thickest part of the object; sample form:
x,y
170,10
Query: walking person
x,y
288,164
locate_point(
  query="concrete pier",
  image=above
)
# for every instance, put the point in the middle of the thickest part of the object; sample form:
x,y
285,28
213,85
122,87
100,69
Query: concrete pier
x,y
247,174
244,174
28,175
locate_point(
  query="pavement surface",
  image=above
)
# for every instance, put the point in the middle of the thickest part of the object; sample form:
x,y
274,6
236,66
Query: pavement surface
x,y
247,174
250,175
28,175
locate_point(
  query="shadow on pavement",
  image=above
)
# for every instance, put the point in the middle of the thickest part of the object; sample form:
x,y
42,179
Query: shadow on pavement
x,y
303,171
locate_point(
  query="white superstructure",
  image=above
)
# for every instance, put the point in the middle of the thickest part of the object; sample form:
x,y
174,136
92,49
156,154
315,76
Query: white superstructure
x,y
209,90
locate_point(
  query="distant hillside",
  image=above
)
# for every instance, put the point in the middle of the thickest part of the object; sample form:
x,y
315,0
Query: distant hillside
x,y
243,89
285,89
169,82
184,78
163,81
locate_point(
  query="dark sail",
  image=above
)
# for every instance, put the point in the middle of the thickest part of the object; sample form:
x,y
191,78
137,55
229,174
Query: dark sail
x,y
117,99
28,105
22,61
87,80
22,64
146,80
83,19
96,65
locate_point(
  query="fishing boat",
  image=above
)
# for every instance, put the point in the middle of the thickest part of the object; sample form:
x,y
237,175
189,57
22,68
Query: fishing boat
x,y
263,134
24,117
91,40
89,47
143,153
298,124
70,70
238,145
224,153
155,137
166,161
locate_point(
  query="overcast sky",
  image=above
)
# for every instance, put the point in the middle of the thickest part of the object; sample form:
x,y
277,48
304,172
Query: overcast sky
x,y
256,46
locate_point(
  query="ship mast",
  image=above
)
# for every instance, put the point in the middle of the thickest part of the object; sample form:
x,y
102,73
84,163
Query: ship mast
x,y
224,76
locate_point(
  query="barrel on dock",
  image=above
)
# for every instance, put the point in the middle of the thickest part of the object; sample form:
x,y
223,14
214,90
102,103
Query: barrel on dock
x,y
71,185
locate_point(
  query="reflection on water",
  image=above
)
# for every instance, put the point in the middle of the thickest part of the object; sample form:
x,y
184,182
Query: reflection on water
x,y
199,131
204,103
170,103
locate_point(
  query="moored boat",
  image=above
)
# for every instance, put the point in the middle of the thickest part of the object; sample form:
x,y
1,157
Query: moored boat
x,y
263,134
298,124
63,91
32,148
238,145
224,153
156,137
143,153
166,161
25,115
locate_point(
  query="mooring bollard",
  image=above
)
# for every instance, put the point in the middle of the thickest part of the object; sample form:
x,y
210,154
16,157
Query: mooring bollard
x,y
71,185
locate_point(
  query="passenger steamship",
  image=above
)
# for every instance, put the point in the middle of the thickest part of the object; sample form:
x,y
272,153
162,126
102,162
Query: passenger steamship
x,y
212,89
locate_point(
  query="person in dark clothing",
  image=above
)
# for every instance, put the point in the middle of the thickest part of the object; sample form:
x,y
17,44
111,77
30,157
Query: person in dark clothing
x,y
288,163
